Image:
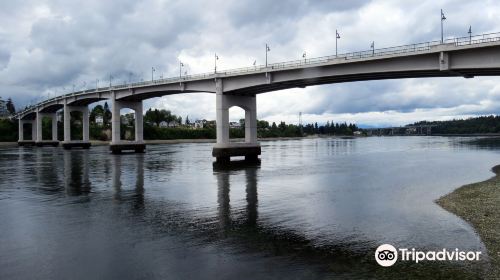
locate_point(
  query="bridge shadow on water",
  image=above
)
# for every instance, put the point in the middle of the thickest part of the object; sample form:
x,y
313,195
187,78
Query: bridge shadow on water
x,y
241,230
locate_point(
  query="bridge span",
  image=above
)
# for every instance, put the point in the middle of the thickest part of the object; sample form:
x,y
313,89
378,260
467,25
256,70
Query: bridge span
x,y
461,57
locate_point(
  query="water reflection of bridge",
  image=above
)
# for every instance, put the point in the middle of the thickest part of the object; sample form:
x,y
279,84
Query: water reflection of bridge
x,y
240,227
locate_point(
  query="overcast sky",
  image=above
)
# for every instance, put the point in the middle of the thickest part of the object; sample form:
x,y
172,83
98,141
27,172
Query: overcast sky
x,y
47,46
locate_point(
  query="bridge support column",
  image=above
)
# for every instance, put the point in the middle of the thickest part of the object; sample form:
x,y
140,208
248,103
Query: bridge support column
x,y
117,145
54,127
224,149
39,130
20,130
68,142
22,141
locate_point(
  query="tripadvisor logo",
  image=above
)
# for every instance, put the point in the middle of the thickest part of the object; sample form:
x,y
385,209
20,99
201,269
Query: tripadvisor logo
x,y
387,255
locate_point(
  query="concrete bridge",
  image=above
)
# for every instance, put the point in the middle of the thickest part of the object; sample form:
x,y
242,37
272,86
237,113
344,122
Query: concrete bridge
x,y
462,57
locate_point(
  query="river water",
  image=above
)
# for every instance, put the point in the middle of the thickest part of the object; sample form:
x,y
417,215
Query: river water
x,y
314,208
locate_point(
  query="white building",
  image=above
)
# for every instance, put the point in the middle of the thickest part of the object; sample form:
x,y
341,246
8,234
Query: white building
x,y
173,124
163,124
234,125
199,123
99,120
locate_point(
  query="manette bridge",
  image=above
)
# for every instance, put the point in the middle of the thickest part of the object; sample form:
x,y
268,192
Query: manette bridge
x,y
462,57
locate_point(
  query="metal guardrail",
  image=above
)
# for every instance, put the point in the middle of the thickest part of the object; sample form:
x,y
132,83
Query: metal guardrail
x,y
411,48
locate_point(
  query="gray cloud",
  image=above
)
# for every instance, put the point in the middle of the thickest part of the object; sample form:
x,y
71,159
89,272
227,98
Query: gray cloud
x,y
47,46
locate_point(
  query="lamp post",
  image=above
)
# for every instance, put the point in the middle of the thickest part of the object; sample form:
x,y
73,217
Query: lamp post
x,y
337,36
267,50
470,34
96,84
180,69
443,18
152,74
216,58
373,48
110,80
304,56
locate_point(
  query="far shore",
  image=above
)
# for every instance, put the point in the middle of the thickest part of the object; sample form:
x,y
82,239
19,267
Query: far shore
x,y
179,141
479,205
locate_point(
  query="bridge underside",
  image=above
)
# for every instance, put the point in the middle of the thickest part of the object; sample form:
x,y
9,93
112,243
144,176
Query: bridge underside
x,y
302,83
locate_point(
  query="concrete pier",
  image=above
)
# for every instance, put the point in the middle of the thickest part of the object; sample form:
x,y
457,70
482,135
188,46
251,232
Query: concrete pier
x,y
117,145
21,140
224,149
69,143
40,142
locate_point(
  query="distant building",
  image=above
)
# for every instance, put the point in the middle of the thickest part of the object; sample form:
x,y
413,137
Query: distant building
x,y
200,123
411,130
163,124
99,120
173,124
234,125
357,133
3,108
210,124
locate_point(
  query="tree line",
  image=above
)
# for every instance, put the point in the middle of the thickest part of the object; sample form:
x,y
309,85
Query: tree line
x,y
482,124
153,131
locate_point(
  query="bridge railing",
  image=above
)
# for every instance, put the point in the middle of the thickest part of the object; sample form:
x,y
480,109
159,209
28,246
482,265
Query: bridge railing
x,y
411,48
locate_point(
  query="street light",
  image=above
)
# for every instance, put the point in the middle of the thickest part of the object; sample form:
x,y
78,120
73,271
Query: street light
x,y
470,34
267,50
304,56
373,48
110,80
443,18
97,84
337,36
152,73
216,58
180,69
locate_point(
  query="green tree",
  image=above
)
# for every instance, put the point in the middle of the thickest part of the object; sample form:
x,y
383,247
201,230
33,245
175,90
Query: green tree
x,y
10,106
96,111
107,114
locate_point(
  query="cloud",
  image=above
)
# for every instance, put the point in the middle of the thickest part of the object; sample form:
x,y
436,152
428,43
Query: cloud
x,y
47,46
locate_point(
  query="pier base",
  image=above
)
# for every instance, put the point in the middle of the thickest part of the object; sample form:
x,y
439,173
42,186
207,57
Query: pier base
x,y
118,148
47,143
224,153
26,143
76,144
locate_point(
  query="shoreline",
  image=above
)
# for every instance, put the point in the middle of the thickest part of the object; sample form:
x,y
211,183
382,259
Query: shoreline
x,y
479,205
181,141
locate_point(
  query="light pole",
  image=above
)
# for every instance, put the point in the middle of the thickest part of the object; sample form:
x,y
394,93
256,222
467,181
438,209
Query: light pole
x,y
337,37
267,50
470,34
180,69
304,56
216,58
443,18
97,84
130,77
373,48
110,80
152,74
